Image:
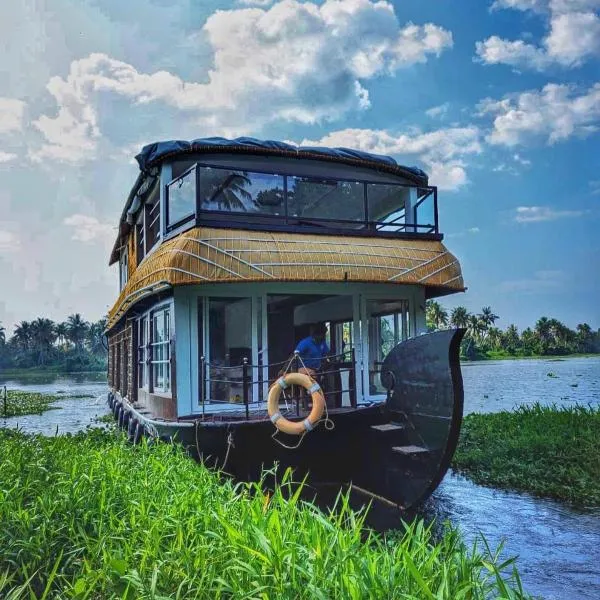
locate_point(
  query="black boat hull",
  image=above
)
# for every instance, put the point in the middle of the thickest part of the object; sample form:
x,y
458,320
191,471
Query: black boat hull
x,y
398,450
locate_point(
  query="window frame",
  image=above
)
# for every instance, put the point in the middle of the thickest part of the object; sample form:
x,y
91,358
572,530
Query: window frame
x,y
169,227
153,388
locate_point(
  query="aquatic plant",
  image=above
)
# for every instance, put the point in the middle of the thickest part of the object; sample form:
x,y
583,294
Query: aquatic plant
x,y
548,451
89,516
25,403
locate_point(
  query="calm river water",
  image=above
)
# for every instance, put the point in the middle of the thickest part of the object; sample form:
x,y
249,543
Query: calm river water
x,y
558,548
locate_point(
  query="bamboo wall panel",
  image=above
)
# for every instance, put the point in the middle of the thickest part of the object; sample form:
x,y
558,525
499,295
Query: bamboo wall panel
x,y
229,255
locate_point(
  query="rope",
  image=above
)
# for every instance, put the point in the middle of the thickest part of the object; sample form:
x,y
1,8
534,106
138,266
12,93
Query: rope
x,y
230,445
328,423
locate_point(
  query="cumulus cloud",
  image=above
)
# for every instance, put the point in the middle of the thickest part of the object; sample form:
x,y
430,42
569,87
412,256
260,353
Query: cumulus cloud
x,y
535,214
438,111
9,242
6,156
573,36
555,113
88,229
294,61
11,115
441,151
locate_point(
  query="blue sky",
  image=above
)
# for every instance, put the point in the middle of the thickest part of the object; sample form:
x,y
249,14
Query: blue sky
x,y
499,101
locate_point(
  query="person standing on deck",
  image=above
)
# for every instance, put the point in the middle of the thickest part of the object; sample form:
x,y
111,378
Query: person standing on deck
x,y
313,349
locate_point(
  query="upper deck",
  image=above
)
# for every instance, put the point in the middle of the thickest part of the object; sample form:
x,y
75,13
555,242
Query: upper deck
x,y
185,218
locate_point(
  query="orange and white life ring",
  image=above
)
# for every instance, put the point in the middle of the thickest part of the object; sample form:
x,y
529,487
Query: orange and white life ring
x,y
318,403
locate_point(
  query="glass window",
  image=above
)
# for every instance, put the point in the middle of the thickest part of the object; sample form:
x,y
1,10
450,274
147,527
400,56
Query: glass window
x,y
230,341
143,353
123,267
152,223
140,238
241,191
326,199
161,351
181,198
386,204
387,327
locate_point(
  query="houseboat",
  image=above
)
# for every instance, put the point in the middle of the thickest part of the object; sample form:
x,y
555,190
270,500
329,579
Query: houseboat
x,y
272,311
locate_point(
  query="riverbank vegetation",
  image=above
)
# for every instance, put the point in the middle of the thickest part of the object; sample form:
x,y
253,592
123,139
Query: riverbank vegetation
x,y
18,403
547,451
89,516
42,344
549,337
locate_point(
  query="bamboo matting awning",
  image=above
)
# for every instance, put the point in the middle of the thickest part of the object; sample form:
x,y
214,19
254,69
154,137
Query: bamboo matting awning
x,y
206,255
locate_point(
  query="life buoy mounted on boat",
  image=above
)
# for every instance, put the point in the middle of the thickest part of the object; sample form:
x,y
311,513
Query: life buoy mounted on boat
x,y
318,403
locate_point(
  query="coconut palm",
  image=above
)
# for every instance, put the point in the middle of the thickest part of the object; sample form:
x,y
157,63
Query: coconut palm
x,y
542,332
511,340
77,330
95,337
435,315
488,317
43,336
62,332
459,317
22,335
2,335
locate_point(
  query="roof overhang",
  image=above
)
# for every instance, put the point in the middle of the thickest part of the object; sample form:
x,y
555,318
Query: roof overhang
x,y
206,255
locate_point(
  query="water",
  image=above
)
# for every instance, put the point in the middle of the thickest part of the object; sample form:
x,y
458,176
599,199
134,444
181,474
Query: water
x,y
71,414
558,547
492,386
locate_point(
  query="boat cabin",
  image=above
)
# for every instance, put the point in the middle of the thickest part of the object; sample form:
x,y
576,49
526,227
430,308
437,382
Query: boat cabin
x,y
230,251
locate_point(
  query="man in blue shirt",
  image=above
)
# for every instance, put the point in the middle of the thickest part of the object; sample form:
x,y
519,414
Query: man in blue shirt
x,y
313,349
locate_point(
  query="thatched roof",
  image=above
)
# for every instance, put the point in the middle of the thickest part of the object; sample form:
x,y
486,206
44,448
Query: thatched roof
x,y
203,255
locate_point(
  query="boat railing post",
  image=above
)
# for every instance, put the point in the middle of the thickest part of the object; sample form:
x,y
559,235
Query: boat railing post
x,y
245,384
296,394
353,398
203,382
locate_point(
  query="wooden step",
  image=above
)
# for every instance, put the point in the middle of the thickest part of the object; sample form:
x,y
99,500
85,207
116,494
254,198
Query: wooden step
x,y
409,450
389,427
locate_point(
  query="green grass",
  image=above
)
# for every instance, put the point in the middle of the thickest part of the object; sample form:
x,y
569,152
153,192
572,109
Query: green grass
x,y
547,451
25,403
89,516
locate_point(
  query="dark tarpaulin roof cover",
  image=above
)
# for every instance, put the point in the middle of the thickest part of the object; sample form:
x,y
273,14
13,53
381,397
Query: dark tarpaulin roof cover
x,y
154,153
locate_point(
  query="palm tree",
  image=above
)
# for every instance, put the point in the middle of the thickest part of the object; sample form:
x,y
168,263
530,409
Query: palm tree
x,y
2,335
62,332
228,193
95,336
77,330
542,332
511,339
494,338
459,317
488,317
585,337
22,335
435,315
43,336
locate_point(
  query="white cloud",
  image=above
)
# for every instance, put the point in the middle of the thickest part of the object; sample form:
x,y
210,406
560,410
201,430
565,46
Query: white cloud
x,y
295,61
438,111
261,3
11,115
522,161
535,214
7,156
88,229
9,242
573,36
556,113
595,187
441,151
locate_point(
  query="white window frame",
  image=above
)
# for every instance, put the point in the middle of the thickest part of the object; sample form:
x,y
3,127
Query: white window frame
x,y
123,268
166,344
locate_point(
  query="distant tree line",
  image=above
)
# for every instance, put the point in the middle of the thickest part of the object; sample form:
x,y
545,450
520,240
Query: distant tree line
x,y
74,345
549,337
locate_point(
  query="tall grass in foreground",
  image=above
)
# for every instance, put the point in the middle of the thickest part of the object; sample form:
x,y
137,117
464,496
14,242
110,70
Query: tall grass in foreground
x,y
548,451
89,516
